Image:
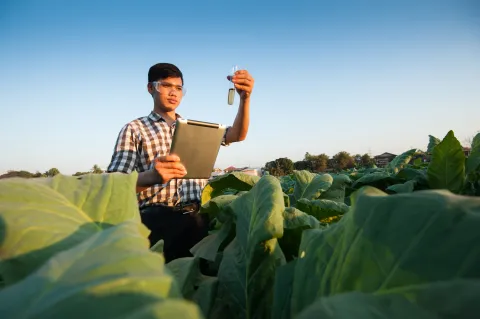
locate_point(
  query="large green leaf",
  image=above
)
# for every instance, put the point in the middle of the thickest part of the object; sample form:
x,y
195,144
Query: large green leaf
x,y
310,185
447,166
295,222
283,290
158,246
111,274
387,243
380,180
372,170
40,217
287,182
336,192
215,207
194,286
473,160
401,160
418,175
322,208
235,180
450,299
186,271
356,175
209,246
433,141
247,270
406,187
108,198
294,218
418,162
206,295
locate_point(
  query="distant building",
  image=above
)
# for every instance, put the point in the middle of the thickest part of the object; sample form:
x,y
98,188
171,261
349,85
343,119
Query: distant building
x,y
230,169
382,160
246,170
252,171
234,169
215,174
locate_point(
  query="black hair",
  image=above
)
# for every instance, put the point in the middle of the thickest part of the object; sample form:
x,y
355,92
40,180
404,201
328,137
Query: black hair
x,y
162,71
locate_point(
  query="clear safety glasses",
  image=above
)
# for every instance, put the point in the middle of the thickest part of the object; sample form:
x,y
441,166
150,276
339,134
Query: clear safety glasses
x,y
168,87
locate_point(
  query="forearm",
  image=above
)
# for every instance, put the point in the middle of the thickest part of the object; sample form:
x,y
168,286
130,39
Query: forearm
x,y
147,179
238,132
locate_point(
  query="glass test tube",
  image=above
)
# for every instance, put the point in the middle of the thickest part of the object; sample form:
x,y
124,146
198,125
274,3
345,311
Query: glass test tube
x,y
231,90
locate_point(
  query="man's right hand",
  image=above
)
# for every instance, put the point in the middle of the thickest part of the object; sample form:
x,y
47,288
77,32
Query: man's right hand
x,y
169,167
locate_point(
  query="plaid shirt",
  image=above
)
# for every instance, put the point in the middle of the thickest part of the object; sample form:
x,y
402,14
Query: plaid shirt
x,y
139,143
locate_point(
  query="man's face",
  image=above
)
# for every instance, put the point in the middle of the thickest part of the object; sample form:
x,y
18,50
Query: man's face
x,y
167,93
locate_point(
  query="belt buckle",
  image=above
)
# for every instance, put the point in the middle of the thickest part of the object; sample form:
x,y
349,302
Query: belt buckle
x,y
190,207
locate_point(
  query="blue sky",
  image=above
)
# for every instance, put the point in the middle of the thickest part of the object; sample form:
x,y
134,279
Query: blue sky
x,y
360,76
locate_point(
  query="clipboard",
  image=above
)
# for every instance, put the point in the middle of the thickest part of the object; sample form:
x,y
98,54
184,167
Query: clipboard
x,y
197,144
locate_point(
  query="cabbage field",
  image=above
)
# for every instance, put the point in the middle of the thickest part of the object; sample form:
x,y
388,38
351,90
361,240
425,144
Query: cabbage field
x,y
396,242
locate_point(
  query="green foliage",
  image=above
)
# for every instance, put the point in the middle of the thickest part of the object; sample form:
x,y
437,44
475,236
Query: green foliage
x,y
237,181
362,243
378,250
433,141
473,160
75,248
310,185
400,161
447,167
391,248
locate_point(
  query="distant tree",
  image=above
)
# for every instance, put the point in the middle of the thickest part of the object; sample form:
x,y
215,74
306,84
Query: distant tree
x,y
331,164
343,160
358,160
308,157
366,160
319,163
21,174
303,165
96,169
24,174
38,174
280,167
52,172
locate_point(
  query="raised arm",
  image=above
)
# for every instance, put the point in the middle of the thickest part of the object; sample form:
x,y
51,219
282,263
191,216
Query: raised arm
x,y
244,83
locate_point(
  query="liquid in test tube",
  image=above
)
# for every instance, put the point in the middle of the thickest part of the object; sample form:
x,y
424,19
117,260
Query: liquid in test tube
x,y
231,90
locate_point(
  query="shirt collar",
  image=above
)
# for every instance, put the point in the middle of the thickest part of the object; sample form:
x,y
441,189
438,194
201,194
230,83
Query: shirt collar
x,y
157,117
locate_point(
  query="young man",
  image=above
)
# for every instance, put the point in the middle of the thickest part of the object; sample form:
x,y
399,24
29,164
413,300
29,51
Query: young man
x,y
168,204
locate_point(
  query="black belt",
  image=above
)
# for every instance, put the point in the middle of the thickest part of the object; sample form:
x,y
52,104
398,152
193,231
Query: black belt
x,y
182,207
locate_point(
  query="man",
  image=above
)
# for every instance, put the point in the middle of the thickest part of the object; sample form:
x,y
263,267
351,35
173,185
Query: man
x,y
169,204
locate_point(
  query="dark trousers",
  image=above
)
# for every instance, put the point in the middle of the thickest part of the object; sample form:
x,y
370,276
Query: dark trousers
x,y
179,231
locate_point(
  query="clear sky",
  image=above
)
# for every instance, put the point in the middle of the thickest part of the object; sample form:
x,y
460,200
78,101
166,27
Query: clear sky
x,y
361,76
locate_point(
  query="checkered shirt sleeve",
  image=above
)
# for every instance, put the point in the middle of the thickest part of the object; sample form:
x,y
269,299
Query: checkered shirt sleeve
x,y
125,158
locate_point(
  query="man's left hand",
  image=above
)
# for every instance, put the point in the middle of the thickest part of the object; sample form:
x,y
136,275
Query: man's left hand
x,y
243,82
